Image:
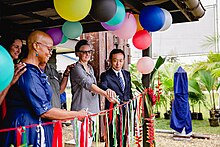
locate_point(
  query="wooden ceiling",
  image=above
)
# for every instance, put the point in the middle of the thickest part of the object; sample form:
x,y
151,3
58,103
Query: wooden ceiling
x,y
23,16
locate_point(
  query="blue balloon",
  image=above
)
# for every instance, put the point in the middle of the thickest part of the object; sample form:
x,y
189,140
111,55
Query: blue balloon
x,y
152,18
6,68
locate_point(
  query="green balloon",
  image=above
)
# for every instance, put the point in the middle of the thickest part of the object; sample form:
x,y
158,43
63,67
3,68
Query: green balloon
x,y
72,30
64,39
119,15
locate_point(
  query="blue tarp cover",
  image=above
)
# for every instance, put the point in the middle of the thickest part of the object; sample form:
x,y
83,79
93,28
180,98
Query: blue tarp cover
x,y
181,116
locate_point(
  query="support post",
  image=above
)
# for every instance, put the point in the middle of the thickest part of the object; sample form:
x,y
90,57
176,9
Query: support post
x,y
146,83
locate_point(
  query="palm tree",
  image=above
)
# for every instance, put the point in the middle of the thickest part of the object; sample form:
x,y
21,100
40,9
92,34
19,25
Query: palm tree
x,y
210,41
208,81
195,94
212,65
167,75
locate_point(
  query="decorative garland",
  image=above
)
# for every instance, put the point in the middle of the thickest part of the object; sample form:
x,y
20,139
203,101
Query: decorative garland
x,y
131,117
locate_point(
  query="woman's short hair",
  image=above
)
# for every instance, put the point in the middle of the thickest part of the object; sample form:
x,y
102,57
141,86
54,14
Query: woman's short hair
x,y
81,43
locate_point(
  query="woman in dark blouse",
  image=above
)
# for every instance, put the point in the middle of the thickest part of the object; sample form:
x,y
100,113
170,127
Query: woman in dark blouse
x,y
13,44
29,99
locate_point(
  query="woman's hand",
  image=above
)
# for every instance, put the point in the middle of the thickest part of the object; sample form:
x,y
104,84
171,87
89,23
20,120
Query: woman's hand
x,y
111,96
68,68
82,114
19,70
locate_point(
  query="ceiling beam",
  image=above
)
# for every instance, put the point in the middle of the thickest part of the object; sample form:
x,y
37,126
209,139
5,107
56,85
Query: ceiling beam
x,y
7,10
39,17
182,7
134,5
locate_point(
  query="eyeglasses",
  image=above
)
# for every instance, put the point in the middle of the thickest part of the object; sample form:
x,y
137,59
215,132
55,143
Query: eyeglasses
x,y
85,52
50,49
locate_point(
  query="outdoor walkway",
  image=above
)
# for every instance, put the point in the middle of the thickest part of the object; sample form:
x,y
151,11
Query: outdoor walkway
x,y
162,140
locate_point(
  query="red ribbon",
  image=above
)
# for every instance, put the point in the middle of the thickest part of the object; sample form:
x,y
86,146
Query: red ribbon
x,y
82,135
121,130
110,113
19,135
57,135
87,129
4,109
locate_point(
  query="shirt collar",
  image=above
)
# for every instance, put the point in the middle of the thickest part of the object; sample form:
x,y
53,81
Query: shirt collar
x,y
116,72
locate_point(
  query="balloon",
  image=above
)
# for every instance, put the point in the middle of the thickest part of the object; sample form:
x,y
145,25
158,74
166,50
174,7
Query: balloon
x,y
168,20
56,34
103,10
139,27
152,18
142,39
73,10
64,39
72,29
119,15
111,28
145,65
6,68
128,28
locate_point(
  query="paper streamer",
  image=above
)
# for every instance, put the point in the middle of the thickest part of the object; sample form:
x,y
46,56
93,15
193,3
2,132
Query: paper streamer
x,y
115,126
82,139
76,131
128,128
121,125
107,128
87,131
57,135
97,130
130,113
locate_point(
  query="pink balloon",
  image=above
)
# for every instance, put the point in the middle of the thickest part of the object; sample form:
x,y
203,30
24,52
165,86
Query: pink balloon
x,y
111,28
56,34
128,28
142,39
145,65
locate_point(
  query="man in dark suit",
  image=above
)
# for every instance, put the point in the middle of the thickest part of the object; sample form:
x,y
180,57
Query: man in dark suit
x,y
118,80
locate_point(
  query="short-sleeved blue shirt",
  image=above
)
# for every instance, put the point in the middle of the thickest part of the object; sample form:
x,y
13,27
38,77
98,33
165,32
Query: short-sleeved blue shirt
x,y
26,100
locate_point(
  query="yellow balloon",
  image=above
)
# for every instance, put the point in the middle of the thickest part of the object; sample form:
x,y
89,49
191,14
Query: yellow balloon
x,y
139,27
73,10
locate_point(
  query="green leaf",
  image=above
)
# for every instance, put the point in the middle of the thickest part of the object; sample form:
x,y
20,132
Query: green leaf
x,y
194,86
207,79
159,62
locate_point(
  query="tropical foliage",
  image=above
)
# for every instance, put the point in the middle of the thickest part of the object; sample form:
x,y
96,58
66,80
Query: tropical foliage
x,y
139,88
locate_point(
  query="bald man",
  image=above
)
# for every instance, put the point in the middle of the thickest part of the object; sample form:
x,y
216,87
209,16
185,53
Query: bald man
x,y
29,99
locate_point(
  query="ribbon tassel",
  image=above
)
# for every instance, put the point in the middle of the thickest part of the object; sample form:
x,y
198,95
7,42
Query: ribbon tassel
x,y
57,135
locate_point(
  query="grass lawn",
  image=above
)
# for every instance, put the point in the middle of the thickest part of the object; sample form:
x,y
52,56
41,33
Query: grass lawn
x,y
198,126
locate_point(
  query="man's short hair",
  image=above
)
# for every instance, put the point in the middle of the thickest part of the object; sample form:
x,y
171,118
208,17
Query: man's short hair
x,y
116,51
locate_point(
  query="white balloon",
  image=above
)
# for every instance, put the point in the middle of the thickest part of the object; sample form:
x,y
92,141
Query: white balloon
x,y
168,20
